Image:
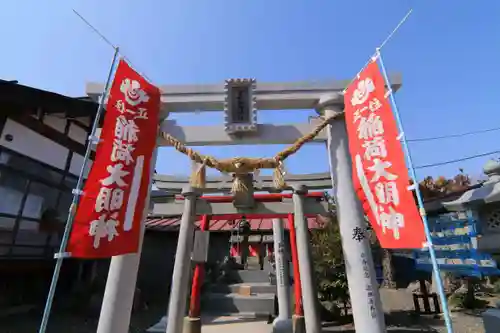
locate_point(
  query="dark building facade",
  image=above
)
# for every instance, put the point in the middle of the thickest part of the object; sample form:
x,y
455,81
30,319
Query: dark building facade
x,y
43,139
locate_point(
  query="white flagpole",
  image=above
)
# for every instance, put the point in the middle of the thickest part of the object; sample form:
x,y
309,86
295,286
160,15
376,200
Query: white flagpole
x,y
377,55
435,266
77,192
122,275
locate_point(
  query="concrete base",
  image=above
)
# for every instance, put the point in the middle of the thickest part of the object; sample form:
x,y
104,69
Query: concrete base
x,y
298,324
491,320
159,327
281,325
192,325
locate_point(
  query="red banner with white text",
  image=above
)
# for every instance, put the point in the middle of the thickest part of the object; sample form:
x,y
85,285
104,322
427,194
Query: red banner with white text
x,y
380,174
109,215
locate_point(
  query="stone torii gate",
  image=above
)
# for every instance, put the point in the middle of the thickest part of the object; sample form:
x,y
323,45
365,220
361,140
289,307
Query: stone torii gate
x,y
240,99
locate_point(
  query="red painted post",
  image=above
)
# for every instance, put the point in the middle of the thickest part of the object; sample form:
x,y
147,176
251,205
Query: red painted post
x,y
299,311
198,276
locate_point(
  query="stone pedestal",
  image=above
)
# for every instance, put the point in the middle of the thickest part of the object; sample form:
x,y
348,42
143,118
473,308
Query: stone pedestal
x,y
192,325
159,327
298,324
282,325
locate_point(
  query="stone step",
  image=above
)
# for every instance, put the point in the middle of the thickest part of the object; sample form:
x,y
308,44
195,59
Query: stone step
x,y
244,288
252,262
246,276
227,323
230,304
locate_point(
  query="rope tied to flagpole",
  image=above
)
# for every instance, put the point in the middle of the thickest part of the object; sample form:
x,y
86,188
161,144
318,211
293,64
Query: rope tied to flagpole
x,y
375,55
107,41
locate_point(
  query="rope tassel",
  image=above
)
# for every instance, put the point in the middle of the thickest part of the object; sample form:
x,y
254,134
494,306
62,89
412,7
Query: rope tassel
x,y
238,185
198,177
279,177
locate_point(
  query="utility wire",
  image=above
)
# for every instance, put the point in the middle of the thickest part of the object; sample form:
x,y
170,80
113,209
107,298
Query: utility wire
x,y
458,135
457,160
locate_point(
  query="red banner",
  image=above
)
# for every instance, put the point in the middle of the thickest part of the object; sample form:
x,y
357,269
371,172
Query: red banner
x,y
109,215
380,174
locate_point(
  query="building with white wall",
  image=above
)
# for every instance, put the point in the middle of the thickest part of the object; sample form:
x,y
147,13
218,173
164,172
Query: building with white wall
x,y
42,143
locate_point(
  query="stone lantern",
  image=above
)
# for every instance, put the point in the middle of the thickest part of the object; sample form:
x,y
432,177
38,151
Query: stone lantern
x,y
484,203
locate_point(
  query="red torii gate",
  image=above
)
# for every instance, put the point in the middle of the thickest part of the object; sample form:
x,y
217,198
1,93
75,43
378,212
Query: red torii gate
x,y
199,270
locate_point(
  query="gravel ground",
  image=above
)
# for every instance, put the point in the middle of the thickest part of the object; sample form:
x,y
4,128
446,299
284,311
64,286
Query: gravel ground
x,y
398,306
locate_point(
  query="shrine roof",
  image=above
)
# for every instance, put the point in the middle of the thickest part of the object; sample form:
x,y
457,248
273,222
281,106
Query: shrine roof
x,y
18,99
172,224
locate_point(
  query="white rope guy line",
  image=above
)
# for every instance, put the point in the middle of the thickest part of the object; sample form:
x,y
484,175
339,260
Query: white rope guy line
x,y
107,41
403,20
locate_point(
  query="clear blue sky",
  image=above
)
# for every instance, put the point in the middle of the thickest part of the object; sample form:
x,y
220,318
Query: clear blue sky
x,y
448,53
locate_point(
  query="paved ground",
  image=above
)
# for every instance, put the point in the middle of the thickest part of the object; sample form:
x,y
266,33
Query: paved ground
x,y
397,322
397,304
234,325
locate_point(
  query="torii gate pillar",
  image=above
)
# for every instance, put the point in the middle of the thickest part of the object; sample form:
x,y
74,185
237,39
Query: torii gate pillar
x,y
118,297
363,288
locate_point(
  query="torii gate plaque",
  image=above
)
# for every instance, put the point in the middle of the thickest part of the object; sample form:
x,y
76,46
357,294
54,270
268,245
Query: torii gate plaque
x,y
241,129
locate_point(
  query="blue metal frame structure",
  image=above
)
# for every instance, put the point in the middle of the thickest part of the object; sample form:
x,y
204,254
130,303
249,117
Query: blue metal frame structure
x,y
454,236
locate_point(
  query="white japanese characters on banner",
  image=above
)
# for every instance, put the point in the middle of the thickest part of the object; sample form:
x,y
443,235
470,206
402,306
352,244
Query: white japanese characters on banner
x,y
111,207
381,177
